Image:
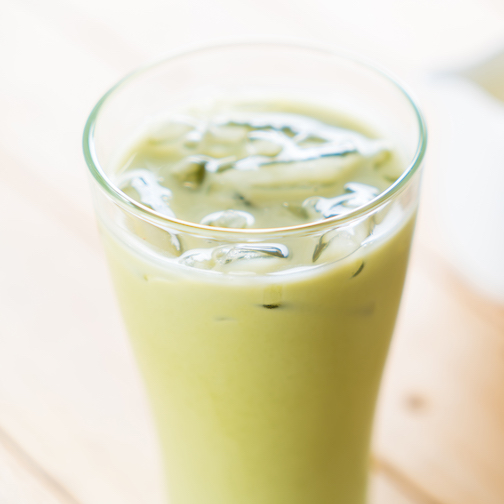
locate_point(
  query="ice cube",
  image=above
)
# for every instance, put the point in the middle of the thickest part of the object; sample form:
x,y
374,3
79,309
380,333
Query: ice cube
x,y
263,147
198,258
161,240
224,255
218,165
296,209
229,219
300,128
362,194
190,172
194,137
290,151
244,251
318,206
287,182
357,195
252,162
150,191
308,140
227,134
337,244
169,132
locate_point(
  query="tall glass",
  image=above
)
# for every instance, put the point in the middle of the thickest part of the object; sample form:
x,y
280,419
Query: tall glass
x,y
263,376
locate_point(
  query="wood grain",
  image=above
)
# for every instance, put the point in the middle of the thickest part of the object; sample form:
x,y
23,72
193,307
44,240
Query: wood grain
x,y
74,424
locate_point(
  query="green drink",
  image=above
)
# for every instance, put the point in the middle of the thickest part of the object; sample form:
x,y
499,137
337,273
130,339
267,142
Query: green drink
x,y
259,263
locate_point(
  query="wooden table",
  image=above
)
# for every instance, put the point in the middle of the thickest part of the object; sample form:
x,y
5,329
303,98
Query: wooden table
x,y
74,425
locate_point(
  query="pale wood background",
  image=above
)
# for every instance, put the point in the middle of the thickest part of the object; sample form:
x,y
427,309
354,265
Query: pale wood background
x,y
74,425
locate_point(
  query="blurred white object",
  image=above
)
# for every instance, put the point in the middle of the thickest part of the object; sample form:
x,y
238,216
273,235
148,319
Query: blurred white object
x,y
470,105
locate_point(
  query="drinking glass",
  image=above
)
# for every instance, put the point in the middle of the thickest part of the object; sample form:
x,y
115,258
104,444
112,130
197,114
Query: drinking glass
x,y
262,350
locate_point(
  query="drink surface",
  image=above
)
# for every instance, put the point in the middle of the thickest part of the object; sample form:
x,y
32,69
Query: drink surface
x,y
262,360
258,165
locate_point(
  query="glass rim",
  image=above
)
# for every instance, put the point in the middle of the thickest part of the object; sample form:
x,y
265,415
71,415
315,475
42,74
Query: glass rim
x,y
147,213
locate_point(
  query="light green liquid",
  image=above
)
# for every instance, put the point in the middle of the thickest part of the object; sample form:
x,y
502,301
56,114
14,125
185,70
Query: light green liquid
x,y
263,386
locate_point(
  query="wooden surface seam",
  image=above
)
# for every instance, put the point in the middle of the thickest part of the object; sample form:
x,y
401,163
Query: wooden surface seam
x,y
398,478
36,470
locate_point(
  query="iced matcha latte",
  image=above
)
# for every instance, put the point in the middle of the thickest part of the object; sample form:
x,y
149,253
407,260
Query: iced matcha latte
x,y
258,244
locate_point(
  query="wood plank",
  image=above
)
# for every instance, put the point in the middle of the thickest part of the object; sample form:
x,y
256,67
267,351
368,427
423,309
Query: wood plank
x,y
49,86
69,392
20,484
367,26
441,416
389,486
